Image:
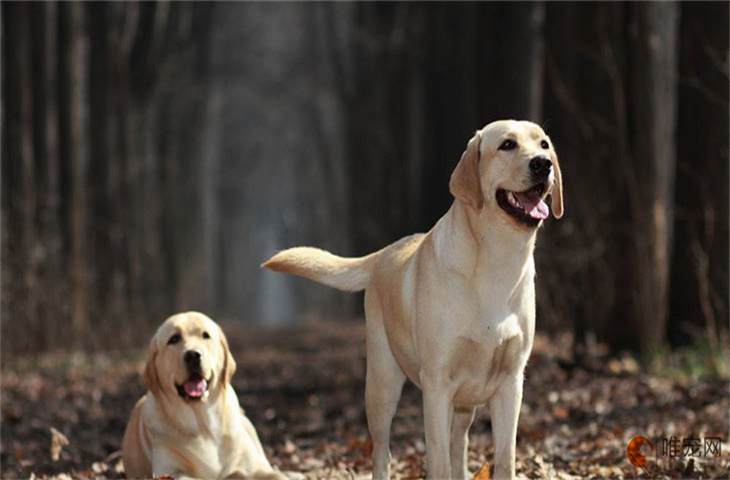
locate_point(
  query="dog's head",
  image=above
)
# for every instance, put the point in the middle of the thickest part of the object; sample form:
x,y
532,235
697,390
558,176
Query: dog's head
x,y
511,166
188,358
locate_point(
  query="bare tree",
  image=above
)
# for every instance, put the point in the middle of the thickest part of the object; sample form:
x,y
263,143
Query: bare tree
x,y
699,276
651,165
155,153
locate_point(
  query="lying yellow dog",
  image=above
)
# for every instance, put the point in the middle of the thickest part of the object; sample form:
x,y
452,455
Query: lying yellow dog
x,y
190,423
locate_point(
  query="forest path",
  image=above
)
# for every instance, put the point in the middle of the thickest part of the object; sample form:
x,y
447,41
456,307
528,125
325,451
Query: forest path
x,y
303,390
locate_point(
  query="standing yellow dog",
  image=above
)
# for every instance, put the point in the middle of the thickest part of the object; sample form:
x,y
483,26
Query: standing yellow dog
x,y
453,310
190,423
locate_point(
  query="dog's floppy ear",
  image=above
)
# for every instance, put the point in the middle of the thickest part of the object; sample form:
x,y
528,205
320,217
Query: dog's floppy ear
x,y
149,376
229,364
465,184
557,190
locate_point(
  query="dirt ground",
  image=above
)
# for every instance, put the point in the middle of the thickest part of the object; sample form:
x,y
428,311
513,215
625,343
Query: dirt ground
x,y
303,389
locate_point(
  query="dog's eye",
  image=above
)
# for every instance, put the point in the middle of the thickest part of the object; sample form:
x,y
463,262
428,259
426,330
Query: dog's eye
x,y
206,335
174,339
544,145
508,145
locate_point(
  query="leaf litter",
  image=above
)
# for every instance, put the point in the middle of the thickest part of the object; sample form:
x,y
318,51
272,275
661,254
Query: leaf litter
x,y
303,388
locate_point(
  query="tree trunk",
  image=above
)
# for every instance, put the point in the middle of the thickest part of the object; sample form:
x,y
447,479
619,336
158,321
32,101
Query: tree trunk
x,y
618,149
19,190
515,67
650,177
699,283
48,258
100,162
74,158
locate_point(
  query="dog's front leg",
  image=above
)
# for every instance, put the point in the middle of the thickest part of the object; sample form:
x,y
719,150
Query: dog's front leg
x,y
463,418
438,413
505,410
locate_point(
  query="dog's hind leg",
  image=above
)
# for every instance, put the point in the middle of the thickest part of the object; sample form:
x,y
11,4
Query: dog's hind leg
x,y
383,384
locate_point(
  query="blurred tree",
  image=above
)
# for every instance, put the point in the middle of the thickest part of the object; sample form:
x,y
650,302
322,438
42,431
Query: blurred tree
x,y
649,165
516,67
155,153
73,145
49,264
19,202
699,276
619,146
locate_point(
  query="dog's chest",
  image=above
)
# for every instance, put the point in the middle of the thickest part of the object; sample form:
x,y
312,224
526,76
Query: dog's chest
x,y
483,360
201,446
216,457
200,458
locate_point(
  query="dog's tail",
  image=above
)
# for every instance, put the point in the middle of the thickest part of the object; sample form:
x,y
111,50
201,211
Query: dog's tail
x,y
342,273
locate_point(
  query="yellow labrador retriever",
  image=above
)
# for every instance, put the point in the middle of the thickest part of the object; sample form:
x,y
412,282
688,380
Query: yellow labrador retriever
x,y
190,423
453,310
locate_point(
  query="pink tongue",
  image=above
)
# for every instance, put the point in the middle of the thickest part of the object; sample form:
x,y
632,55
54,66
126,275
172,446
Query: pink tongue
x,y
195,388
533,204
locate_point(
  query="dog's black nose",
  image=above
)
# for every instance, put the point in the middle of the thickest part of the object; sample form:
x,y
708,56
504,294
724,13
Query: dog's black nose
x,y
192,358
540,166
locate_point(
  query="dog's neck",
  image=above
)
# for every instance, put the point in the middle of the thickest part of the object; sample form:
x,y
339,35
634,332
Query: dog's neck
x,y
192,418
488,236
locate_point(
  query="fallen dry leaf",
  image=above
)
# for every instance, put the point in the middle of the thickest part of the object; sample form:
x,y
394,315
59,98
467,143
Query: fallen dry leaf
x,y
58,441
560,413
361,447
483,473
561,434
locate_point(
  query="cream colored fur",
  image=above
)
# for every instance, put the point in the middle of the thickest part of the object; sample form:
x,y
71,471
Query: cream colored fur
x,y
453,310
182,438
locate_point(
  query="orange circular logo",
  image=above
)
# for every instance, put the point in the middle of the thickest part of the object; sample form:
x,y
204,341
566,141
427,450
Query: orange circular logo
x,y
632,451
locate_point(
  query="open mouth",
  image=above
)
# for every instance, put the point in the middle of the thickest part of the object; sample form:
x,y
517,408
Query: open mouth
x,y
527,207
194,387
